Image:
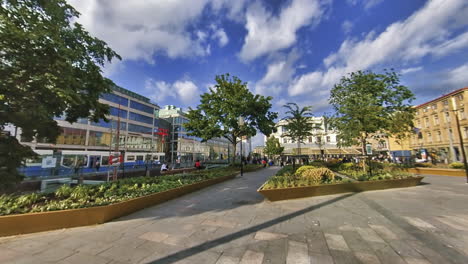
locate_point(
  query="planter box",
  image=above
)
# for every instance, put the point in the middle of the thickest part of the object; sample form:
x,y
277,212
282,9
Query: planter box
x,y
325,189
436,171
44,221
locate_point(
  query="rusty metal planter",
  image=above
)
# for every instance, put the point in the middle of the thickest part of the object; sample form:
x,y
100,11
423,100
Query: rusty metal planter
x,y
326,189
44,221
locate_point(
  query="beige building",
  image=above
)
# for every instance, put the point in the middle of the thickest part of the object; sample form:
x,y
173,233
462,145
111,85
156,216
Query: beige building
x,y
322,142
437,132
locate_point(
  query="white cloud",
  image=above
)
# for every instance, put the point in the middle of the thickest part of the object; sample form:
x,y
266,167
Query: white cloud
x,y
268,33
185,90
458,77
366,3
138,30
347,26
278,74
410,70
404,41
221,36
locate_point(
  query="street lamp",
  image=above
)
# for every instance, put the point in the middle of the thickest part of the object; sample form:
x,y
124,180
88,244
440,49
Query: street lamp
x,y
241,123
455,111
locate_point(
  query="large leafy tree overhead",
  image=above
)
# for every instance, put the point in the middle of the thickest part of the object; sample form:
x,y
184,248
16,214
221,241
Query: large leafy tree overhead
x,y
273,147
219,110
369,105
299,123
49,65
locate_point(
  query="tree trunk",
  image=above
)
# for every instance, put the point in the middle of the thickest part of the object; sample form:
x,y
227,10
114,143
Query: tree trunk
x,y
233,162
364,153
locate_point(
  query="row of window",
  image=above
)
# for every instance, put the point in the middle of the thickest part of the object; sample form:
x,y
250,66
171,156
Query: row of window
x,y
309,140
140,118
445,104
124,102
435,118
428,135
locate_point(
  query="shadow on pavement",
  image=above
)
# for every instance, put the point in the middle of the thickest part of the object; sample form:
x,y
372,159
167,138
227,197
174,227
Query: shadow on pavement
x,y
228,238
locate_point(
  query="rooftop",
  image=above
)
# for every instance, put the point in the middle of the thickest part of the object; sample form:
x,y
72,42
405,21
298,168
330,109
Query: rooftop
x,y
443,96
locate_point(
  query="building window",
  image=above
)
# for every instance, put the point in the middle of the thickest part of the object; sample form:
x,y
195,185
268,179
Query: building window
x,y
427,121
140,118
434,106
465,134
285,141
462,113
445,102
447,117
460,97
416,112
328,138
310,139
439,136
141,107
436,119
115,99
118,112
419,123
429,137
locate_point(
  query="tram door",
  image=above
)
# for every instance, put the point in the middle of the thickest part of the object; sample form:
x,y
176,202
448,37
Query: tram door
x,y
93,159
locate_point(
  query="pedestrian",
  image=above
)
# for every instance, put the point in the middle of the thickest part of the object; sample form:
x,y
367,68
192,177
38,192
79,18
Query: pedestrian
x,y
198,165
264,163
164,167
98,165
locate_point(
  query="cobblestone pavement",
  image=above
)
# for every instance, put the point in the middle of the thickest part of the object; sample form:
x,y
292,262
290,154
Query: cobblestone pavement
x,y
231,223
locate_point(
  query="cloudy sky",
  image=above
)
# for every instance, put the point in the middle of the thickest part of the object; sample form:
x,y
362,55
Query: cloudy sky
x,y
293,50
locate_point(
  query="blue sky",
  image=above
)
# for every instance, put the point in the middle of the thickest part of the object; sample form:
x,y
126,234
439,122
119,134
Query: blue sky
x,y
294,51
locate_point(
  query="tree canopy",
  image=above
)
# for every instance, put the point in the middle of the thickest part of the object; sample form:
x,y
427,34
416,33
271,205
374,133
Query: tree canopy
x,y
50,66
219,110
299,123
368,104
273,147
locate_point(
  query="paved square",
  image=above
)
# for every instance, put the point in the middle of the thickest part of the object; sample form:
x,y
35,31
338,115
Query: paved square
x,y
231,223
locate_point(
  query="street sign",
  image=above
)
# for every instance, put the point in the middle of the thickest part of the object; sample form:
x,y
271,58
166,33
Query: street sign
x,y
115,159
369,149
49,162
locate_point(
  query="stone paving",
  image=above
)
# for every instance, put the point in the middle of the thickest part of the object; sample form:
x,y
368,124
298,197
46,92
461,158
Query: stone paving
x,y
231,223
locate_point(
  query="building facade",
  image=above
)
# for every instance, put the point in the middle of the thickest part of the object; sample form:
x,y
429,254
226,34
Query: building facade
x,y
184,149
436,127
133,113
323,141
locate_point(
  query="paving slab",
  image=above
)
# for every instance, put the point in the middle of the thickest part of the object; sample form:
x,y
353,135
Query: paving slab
x,y
231,223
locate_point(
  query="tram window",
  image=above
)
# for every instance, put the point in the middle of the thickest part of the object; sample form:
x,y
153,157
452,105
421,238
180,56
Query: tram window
x,y
68,160
155,157
139,157
105,160
129,158
34,161
82,160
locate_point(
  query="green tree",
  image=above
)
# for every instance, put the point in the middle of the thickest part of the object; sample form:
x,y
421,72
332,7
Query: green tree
x,y
299,123
218,112
273,147
368,105
49,66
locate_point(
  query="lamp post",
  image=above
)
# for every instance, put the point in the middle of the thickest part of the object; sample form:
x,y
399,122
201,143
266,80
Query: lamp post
x,y
241,123
455,111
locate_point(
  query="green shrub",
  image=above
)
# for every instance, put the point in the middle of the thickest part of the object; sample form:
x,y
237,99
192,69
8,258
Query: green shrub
x,y
318,175
303,168
288,169
457,165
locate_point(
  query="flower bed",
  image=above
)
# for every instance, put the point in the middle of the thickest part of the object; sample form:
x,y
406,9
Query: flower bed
x,y
314,181
84,196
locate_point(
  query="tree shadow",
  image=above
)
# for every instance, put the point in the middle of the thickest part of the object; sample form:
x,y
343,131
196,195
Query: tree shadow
x,y
228,238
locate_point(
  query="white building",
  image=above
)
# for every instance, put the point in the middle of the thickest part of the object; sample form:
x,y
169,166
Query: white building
x,y
322,142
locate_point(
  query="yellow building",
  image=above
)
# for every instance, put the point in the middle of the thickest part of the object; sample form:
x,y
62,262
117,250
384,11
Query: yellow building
x,y
437,132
